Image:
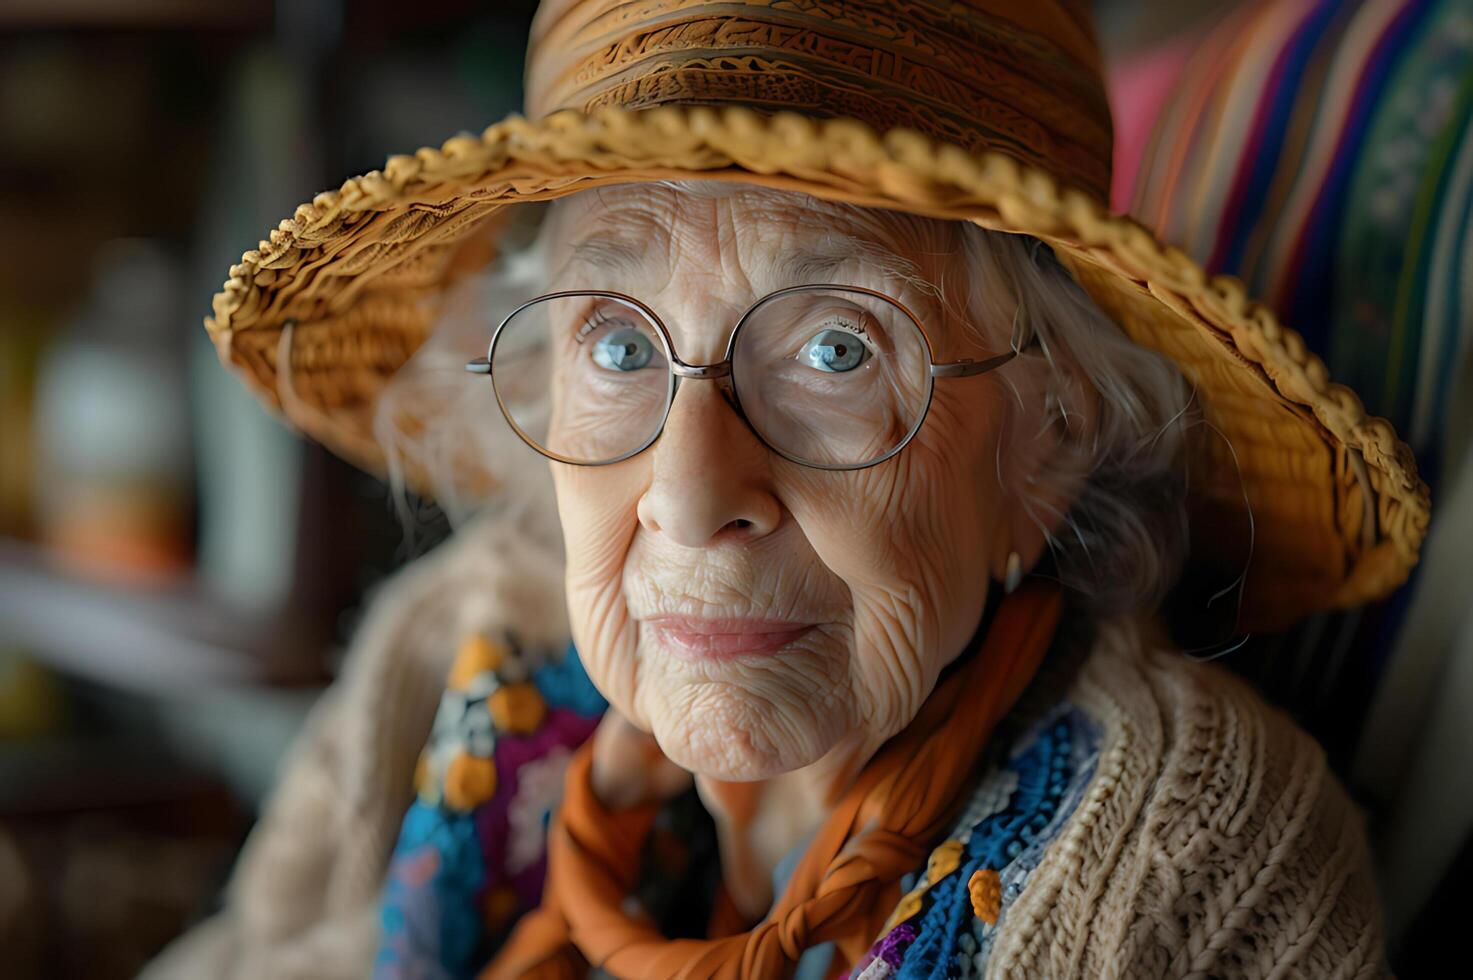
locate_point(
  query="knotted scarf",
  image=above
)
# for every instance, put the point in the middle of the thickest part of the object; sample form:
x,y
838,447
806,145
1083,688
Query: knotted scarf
x,y
847,882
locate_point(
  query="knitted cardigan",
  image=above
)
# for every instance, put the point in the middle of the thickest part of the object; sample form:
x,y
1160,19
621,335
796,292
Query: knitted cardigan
x,y
1209,838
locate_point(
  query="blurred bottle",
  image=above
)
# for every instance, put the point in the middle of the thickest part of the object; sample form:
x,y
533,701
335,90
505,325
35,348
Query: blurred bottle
x,y
114,482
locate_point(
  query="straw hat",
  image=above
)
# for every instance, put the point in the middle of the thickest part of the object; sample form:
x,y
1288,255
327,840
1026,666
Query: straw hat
x,y
991,111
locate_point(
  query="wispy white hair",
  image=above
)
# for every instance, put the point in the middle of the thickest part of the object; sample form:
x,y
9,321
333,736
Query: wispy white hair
x,y
1118,546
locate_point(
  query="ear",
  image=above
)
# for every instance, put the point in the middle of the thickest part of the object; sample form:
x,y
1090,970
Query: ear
x,y
1039,487
1026,526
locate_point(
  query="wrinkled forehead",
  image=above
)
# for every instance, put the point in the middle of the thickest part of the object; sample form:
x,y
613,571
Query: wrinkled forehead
x,y
735,240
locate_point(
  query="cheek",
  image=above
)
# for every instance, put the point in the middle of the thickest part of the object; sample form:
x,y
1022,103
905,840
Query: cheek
x,y
910,539
597,507
911,525
955,513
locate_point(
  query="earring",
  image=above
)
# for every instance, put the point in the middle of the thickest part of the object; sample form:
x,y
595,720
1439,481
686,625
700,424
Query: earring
x,y
1014,573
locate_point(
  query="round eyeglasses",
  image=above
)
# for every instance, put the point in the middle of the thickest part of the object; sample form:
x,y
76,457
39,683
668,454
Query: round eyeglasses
x,y
833,377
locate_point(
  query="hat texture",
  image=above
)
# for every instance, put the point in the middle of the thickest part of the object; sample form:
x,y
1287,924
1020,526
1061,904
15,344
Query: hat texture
x,y
990,111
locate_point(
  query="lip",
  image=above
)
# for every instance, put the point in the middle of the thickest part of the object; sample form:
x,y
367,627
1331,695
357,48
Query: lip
x,y
727,637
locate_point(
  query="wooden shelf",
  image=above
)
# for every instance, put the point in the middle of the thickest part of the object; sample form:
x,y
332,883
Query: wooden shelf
x,y
150,640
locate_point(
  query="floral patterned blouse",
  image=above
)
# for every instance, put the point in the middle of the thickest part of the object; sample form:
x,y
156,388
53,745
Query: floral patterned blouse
x,y
471,854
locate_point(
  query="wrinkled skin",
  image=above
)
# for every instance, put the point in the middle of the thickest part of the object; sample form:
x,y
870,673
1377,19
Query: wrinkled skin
x,y
892,564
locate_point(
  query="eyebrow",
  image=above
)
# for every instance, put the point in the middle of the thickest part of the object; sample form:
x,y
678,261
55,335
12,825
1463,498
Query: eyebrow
x,y
813,262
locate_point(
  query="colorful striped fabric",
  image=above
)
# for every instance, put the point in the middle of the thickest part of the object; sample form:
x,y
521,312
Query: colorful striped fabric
x,y
1321,150
1311,147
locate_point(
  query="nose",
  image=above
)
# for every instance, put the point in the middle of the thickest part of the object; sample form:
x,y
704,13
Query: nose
x,y
711,478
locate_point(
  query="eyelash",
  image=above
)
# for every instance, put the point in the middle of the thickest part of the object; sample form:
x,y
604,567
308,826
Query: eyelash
x,y
851,326
592,320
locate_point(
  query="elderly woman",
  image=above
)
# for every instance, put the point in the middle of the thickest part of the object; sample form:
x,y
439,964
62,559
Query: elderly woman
x,y
876,447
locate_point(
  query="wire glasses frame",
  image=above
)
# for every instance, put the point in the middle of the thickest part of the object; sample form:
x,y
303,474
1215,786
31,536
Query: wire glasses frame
x,y
722,371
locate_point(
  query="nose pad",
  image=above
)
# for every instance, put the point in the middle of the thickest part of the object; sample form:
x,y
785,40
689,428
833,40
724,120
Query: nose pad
x,y
728,393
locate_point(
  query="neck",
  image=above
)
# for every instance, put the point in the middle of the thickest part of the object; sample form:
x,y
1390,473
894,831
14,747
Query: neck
x,y
757,823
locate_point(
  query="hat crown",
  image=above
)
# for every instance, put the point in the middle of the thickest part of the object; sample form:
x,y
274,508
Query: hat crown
x,y
1021,78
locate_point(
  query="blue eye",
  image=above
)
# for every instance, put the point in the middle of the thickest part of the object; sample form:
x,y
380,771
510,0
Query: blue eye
x,y
625,349
834,351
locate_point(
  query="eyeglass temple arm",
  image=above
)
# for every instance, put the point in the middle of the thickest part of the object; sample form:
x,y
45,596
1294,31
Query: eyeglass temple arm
x,y
967,368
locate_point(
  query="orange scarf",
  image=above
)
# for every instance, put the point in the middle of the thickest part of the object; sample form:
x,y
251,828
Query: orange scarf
x,y
847,882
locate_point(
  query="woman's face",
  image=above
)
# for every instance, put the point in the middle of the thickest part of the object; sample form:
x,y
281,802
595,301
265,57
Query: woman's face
x,y
754,614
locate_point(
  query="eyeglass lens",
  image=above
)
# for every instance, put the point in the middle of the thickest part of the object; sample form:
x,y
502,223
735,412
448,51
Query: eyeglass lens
x,y
826,376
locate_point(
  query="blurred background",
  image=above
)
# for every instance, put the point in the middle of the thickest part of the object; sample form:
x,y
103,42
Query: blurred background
x,y
179,573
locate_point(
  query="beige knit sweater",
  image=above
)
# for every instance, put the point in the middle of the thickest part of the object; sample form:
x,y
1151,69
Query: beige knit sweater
x,y
1212,840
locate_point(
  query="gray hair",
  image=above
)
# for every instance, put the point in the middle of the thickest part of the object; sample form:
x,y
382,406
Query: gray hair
x,y
1121,543
1124,539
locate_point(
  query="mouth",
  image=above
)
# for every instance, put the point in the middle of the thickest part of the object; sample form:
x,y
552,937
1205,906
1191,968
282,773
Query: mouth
x,y
723,639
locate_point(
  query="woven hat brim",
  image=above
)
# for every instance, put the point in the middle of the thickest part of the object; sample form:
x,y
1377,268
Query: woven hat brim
x,y
1338,513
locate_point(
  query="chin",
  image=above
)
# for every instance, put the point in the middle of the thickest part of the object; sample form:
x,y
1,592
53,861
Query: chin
x,y
725,731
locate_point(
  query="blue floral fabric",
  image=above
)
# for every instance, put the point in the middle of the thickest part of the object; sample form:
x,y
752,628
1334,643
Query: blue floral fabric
x,y
471,852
